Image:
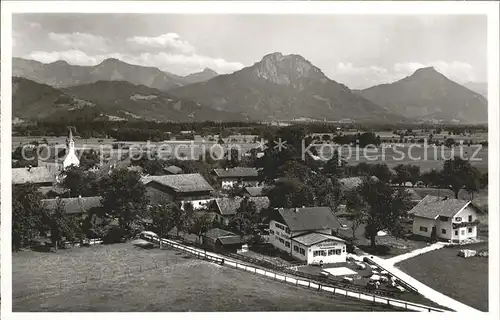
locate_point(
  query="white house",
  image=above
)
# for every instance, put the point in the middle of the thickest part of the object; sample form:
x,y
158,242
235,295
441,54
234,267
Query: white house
x,y
451,219
242,176
306,234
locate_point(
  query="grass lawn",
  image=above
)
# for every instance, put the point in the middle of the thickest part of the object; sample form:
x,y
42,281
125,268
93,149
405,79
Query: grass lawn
x,y
125,278
465,280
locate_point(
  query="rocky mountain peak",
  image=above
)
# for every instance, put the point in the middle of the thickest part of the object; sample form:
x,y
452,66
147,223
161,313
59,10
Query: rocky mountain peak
x,y
285,69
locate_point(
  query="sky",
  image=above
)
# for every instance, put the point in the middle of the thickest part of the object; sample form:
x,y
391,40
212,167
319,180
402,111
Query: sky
x,y
357,50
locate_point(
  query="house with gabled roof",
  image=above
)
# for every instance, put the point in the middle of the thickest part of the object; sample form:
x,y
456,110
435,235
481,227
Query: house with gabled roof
x,y
182,188
74,206
454,220
307,234
228,207
40,176
242,176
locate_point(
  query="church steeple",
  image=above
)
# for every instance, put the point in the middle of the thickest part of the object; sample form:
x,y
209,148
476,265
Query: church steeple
x,y
70,142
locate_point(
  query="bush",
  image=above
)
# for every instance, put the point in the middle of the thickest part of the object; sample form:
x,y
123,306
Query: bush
x,y
114,234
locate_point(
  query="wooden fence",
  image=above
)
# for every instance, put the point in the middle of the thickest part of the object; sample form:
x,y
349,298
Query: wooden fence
x,y
203,254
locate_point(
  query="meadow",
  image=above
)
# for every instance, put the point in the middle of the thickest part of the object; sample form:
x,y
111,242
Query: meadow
x,y
125,278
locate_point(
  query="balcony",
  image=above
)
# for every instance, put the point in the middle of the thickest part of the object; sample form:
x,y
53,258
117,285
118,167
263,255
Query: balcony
x,y
465,224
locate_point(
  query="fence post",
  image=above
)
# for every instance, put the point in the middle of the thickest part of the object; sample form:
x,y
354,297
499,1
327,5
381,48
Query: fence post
x,y
406,306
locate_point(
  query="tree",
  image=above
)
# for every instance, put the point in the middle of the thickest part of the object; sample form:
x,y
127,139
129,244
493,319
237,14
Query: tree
x,y
89,158
385,207
124,197
201,224
247,218
456,173
233,158
60,225
473,181
79,182
26,214
483,182
406,173
328,192
162,222
449,143
431,178
290,193
356,205
179,217
335,166
382,171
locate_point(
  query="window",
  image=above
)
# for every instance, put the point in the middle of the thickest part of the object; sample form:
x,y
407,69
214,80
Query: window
x,y
271,232
470,218
287,244
338,251
343,249
458,219
424,229
443,231
462,232
323,253
331,252
277,225
302,251
470,230
456,232
295,248
281,240
287,230
315,253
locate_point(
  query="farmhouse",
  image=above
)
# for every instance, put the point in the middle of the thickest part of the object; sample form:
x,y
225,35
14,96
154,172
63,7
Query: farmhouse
x,y
74,206
254,191
242,176
449,219
40,176
306,234
227,207
191,188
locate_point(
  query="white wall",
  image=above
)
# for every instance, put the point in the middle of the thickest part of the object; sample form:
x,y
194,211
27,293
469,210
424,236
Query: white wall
x,y
423,222
198,204
463,233
228,183
333,257
276,233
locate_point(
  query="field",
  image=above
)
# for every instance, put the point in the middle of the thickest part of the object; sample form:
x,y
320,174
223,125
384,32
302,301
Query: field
x,y
465,280
125,278
427,158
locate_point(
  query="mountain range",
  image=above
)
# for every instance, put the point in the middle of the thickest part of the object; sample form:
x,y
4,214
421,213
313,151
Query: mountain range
x,y
427,94
61,74
479,87
278,87
115,100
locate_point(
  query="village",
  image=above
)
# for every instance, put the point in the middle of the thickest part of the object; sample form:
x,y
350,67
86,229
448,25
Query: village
x,y
348,227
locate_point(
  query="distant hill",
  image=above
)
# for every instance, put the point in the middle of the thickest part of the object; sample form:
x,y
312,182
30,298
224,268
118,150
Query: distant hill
x,y
60,74
479,87
115,100
427,94
204,75
32,100
283,87
139,101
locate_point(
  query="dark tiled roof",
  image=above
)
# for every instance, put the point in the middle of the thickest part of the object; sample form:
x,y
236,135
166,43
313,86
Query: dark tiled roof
x,y
33,175
74,205
314,238
238,172
192,182
431,207
56,189
229,206
216,233
309,219
225,240
173,169
255,191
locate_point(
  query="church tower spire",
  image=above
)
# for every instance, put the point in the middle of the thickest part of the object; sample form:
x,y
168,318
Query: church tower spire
x,y
71,157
